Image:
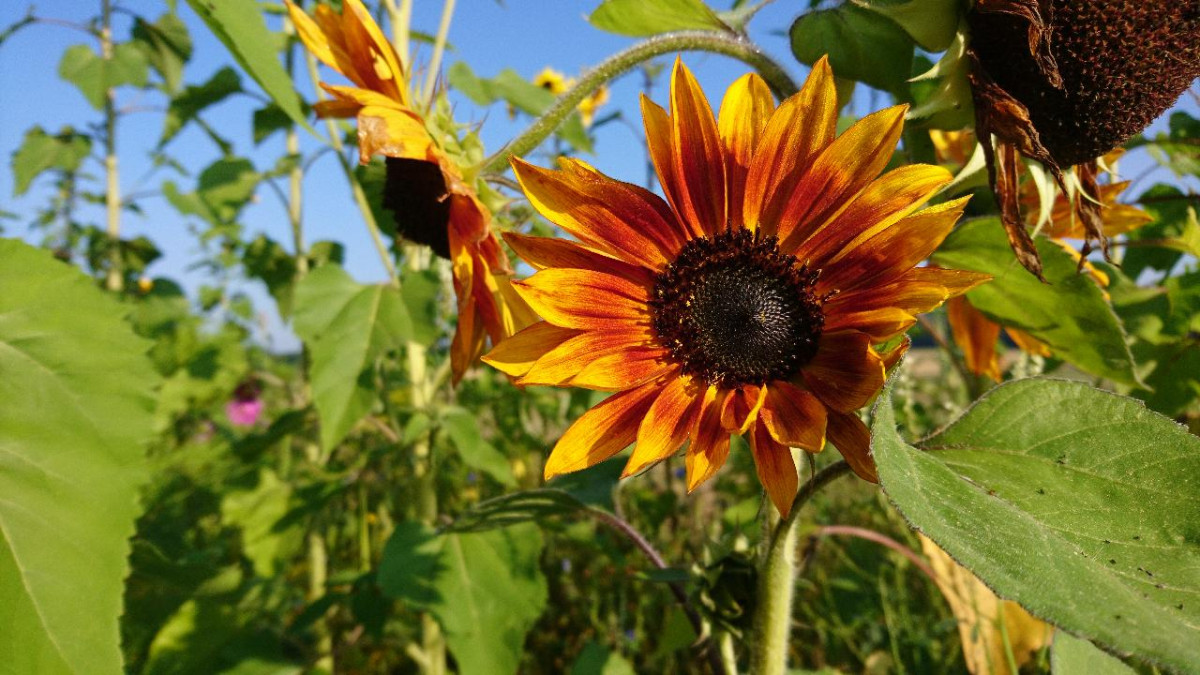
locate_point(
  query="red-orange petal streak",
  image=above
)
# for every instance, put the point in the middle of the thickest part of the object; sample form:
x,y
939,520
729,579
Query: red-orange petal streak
x,y
845,373
699,157
584,299
710,441
794,417
745,110
798,131
844,168
666,425
602,431
516,355
852,438
545,252
776,468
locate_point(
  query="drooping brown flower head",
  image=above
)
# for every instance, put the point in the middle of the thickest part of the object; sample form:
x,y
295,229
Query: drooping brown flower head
x,y
749,302
425,190
1066,81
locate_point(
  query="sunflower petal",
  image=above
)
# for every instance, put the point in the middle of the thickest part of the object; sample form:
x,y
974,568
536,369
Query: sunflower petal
x,y
881,204
392,132
623,370
374,59
544,252
798,131
584,299
894,250
976,336
845,373
852,438
794,417
747,107
601,213
776,468
844,168
516,355
880,323
602,432
660,141
557,366
699,158
666,425
710,441
741,408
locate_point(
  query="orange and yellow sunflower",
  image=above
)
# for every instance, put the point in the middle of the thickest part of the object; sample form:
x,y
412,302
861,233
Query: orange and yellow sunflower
x,y
431,201
750,301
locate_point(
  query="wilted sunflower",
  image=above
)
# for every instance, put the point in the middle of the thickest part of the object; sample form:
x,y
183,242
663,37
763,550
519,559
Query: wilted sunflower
x,y
1065,82
425,190
976,334
748,302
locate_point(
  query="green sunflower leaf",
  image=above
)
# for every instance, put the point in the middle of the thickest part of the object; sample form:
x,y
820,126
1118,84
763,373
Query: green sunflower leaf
x,y
862,45
1070,313
1077,503
77,400
239,25
346,326
485,588
186,106
1073,656
167,46
641,18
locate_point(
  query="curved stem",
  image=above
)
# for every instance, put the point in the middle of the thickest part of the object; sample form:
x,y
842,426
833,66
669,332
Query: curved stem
x,y
777,576
883,540
729,44
630,532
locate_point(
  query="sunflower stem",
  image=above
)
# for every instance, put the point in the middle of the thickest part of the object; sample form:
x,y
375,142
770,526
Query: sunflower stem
x,y
115,280
777,576
729,44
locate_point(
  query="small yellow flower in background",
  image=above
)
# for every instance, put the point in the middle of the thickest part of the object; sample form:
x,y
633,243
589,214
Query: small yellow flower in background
x,y
552,81
145,285
750,301
556,83
425,189
953,147
589,105
976,335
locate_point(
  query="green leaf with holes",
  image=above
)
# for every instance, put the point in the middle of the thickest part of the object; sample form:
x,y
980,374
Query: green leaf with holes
x,y
1079,504
77,395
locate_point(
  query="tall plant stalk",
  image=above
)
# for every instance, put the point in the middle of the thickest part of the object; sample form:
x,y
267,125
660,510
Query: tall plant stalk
x,y
115,280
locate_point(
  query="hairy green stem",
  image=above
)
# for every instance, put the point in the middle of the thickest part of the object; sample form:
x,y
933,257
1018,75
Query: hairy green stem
x,y
777,577
729,44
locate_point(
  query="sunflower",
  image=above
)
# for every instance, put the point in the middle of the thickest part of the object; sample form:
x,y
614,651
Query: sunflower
x,y
976,334
1064,82
552,81
750,301
431,201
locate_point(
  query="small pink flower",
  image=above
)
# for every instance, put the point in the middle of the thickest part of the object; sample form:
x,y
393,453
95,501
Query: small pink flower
x,y
246,406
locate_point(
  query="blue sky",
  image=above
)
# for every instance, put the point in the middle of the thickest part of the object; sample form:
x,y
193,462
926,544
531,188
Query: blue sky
x,y
525,35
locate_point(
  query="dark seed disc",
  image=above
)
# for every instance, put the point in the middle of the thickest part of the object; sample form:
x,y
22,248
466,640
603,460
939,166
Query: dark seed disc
x,y
1122,63
415,193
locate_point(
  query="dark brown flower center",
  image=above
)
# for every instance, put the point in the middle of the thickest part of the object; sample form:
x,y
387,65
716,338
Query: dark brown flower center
x,y
734,310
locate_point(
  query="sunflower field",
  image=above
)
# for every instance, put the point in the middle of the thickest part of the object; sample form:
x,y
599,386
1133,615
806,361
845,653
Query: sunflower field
x,y
600,337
